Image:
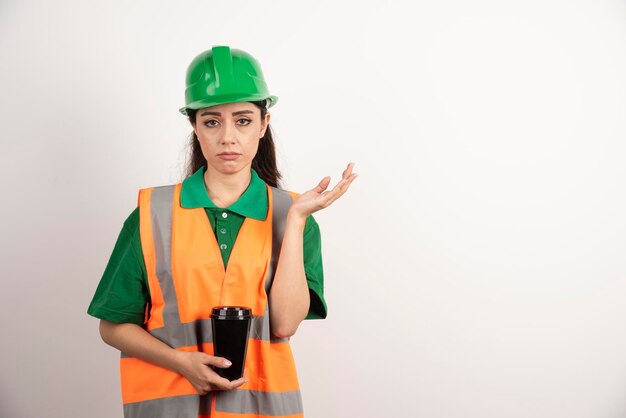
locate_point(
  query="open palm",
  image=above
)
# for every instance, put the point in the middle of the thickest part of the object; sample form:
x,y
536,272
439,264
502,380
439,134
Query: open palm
x,y
320,198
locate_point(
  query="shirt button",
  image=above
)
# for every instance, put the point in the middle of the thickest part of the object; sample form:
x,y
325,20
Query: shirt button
x,y
223,246
223,231
224,215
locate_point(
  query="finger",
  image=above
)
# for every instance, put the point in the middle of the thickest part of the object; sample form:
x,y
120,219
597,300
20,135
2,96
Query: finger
x,y
225,384
341,187
220,362
329,195
239,382
348,171
220,383
346,185
346,181
322,185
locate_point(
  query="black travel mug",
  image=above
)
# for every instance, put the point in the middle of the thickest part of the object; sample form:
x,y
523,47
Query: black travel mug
x,y
231,328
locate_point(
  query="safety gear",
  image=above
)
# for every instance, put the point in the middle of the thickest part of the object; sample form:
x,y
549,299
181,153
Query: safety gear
x,y
187,278
224,75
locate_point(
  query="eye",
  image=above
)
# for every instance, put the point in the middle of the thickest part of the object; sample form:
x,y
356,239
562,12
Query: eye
x,y
244,121
210,123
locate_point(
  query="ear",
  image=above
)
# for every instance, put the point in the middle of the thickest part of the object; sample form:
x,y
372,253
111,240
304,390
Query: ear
x,y
265,124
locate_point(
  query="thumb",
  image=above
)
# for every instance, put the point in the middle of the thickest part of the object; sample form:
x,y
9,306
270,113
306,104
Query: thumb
x,y
322,185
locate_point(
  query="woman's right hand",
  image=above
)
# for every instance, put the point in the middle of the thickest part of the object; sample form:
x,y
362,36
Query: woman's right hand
x,y
194,366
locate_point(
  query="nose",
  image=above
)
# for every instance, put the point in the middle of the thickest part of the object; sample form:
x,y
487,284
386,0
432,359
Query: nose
x,y
229,133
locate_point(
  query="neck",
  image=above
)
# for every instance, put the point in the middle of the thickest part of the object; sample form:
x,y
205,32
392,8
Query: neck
x,y
225,189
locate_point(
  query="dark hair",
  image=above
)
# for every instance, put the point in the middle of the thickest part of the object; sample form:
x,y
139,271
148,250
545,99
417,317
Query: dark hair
x,y
264,162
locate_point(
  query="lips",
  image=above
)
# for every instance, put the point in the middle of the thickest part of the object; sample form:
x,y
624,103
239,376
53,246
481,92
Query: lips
x,y
228,155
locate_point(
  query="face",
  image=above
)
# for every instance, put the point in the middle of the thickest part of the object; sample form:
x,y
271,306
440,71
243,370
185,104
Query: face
x,y
229,135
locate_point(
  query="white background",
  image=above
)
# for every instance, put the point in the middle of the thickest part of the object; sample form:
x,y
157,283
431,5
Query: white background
x,y
475,268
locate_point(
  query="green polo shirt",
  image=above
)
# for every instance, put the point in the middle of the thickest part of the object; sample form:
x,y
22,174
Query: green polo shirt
x,y
123,294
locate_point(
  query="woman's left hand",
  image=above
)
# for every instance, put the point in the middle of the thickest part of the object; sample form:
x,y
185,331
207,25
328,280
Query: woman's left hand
x,y
316,198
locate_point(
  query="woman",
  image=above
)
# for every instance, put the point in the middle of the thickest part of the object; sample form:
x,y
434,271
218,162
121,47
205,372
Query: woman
x,y
170,266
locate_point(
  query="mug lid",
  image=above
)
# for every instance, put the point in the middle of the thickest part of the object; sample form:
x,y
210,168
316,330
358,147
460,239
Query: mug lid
x,y
231,312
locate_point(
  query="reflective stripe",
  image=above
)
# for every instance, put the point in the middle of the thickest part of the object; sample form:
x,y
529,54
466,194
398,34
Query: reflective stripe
x,y
260,329
263,403
200,331
175,406
161,210
235,401
193,333
281,202
185,334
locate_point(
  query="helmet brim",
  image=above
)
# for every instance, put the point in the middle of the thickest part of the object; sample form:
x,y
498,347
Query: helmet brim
x,y
214,101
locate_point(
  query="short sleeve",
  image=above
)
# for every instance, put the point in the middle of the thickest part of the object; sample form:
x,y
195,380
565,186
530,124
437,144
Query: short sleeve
x,y
122,294
312,255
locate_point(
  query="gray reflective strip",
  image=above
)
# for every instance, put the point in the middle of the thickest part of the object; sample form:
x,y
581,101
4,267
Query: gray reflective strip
x,y
262,403
257,330
185,334
175,406
281,202
161,201
191,333
260,328
161,215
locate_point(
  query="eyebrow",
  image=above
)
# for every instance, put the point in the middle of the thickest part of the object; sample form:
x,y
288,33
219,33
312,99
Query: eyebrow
x,y
240,112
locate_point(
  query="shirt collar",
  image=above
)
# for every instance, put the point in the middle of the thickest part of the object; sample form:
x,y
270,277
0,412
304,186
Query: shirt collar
x,y
251,204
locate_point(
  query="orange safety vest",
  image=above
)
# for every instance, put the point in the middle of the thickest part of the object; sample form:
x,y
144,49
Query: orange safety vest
x,y
187,278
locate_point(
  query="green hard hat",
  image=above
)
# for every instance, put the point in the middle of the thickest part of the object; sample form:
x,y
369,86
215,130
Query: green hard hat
x,y
224,75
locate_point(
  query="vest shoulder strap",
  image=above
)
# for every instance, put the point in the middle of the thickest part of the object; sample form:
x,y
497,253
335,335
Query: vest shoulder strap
x,y
281,202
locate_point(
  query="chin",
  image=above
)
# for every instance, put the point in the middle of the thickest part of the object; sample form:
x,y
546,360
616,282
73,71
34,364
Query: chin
x,y
229,168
